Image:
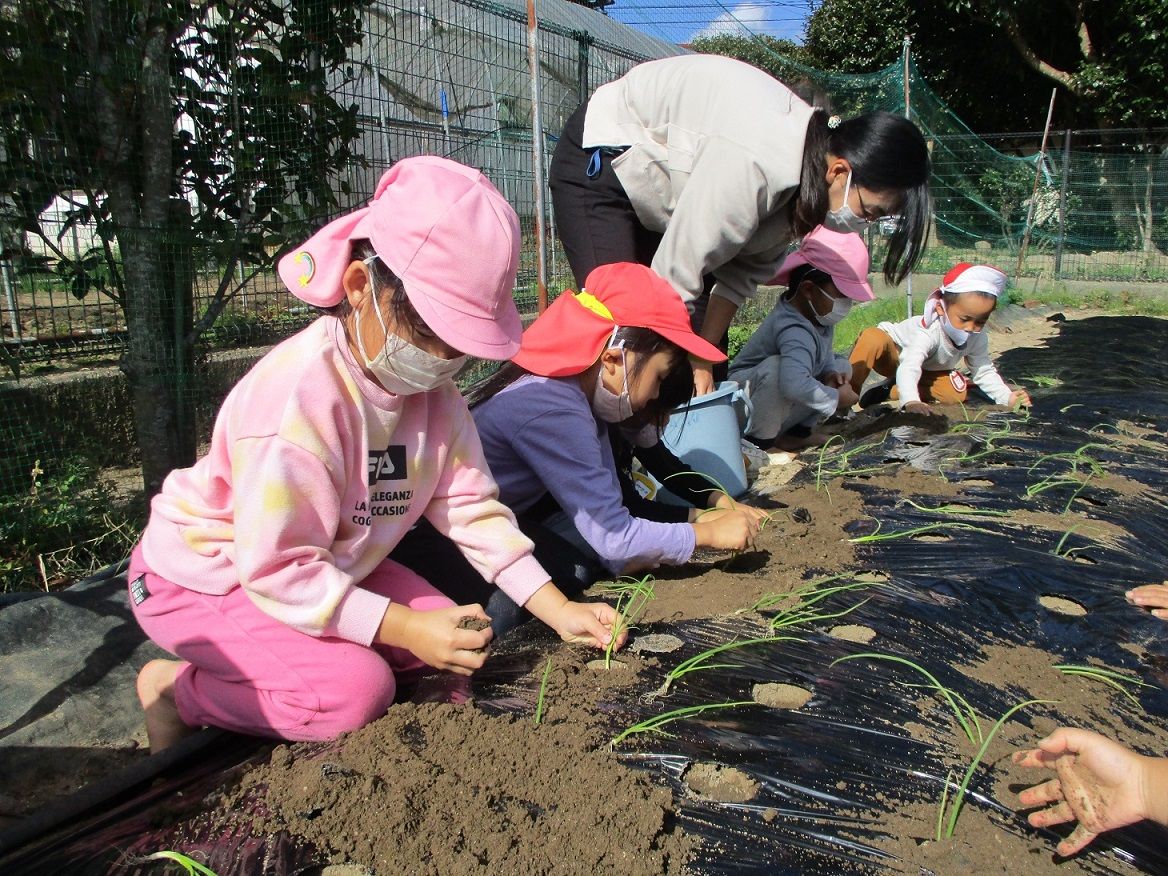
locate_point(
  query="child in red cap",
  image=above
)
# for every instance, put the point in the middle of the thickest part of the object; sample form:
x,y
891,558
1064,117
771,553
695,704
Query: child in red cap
x,y
795,379
263,567
594,359
921,355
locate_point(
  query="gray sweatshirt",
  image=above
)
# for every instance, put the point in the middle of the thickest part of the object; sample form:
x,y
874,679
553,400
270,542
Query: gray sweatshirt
x,y
713,158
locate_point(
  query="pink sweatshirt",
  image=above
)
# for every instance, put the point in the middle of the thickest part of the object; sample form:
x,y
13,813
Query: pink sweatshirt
x,y
314,475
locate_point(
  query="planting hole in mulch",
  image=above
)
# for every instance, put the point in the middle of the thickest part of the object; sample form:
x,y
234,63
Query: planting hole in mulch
x,y
1062,605
853,633
932,536
976,482
781,696
722,783
656,643
613,665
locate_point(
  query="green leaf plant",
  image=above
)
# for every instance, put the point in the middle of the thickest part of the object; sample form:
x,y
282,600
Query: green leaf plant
x,y
633,596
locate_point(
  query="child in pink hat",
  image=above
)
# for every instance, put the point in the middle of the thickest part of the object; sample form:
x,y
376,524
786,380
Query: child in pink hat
x,y
921,356
263,567
795,379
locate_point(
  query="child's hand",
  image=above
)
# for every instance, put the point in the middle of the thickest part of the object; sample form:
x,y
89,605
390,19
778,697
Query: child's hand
x,y
703,373
589,623
726,529
834,379
436,638
723,500
1020,398
847,396
1100,784
919,407
1151,596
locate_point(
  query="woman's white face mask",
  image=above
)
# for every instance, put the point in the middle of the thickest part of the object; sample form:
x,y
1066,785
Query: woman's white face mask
x,y
401,367
845,219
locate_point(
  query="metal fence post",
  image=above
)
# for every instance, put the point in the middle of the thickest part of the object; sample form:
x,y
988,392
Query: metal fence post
x,y
1062,232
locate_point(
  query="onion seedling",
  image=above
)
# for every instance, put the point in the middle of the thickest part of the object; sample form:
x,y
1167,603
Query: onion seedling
x,y
654,725
700,662
1110,677
959,796
877,535
542,692
958,510
191,866
962,710
632,599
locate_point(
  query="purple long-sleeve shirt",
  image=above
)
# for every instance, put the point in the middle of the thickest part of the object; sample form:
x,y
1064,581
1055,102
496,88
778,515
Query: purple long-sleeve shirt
x,y
540,436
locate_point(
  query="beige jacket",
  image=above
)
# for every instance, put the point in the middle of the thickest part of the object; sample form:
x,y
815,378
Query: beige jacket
x,y
714,153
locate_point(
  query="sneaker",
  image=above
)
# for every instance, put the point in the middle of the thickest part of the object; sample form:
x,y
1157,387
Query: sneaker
x,y
877,394
754,458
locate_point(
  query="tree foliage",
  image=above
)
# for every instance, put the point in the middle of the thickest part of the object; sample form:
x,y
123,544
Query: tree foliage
x,y
191,135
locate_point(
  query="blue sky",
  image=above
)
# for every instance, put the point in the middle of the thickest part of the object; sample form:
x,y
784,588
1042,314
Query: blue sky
x,y
679,21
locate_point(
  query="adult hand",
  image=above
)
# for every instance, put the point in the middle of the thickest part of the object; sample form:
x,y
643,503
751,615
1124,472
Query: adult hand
x,y
919,407
589,623
847,397
835,379
1020,398
725,529
703,373
1100,784
1151,596
436,638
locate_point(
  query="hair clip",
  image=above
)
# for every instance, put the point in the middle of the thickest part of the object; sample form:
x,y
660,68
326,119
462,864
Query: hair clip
x,y
833,122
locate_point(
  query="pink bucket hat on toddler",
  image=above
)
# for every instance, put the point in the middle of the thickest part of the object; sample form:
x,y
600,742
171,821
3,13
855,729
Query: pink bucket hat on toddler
x,y
843,257
450,237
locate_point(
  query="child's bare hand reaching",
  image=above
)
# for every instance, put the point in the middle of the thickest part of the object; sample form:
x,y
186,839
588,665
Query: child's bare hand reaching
x,y
848,397
1153,597
1019,398
437,637
1100,784
919,407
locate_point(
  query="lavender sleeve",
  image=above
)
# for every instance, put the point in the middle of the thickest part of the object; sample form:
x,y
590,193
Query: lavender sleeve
x,y
555,433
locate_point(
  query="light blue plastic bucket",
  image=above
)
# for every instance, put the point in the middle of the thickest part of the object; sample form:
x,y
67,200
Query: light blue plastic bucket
x,y
705,434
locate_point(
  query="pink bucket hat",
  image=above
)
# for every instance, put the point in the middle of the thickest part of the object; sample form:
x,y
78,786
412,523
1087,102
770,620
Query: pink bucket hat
x,y
450,237
843,257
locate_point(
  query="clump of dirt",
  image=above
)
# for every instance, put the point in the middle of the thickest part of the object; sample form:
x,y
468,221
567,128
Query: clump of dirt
x,y
853,633
722,783
781,696
1061,605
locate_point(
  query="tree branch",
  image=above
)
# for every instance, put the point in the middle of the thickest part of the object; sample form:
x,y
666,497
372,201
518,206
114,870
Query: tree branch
x,y
1062,77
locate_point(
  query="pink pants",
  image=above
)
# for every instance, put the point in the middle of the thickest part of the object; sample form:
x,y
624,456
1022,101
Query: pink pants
x,y
244,670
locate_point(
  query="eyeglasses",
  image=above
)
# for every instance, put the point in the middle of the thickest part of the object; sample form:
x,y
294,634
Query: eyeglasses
x,y
871,215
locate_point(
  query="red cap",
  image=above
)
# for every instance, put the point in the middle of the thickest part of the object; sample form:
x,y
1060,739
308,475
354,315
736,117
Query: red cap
x,y
571,334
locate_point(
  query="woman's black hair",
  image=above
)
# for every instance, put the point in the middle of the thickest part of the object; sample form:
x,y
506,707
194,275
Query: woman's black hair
x,y
642,341
383,278
887,153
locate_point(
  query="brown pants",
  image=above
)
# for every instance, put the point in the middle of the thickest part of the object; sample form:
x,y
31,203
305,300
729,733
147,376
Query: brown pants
x,y
876,351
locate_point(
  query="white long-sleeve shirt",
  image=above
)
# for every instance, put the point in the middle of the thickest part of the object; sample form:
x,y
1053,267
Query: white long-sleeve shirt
x,y
928,348
714,155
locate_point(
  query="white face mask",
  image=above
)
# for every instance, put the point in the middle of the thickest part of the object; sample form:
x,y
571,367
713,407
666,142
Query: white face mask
x,y
956,335
405,369
610,407
840,307
845,219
